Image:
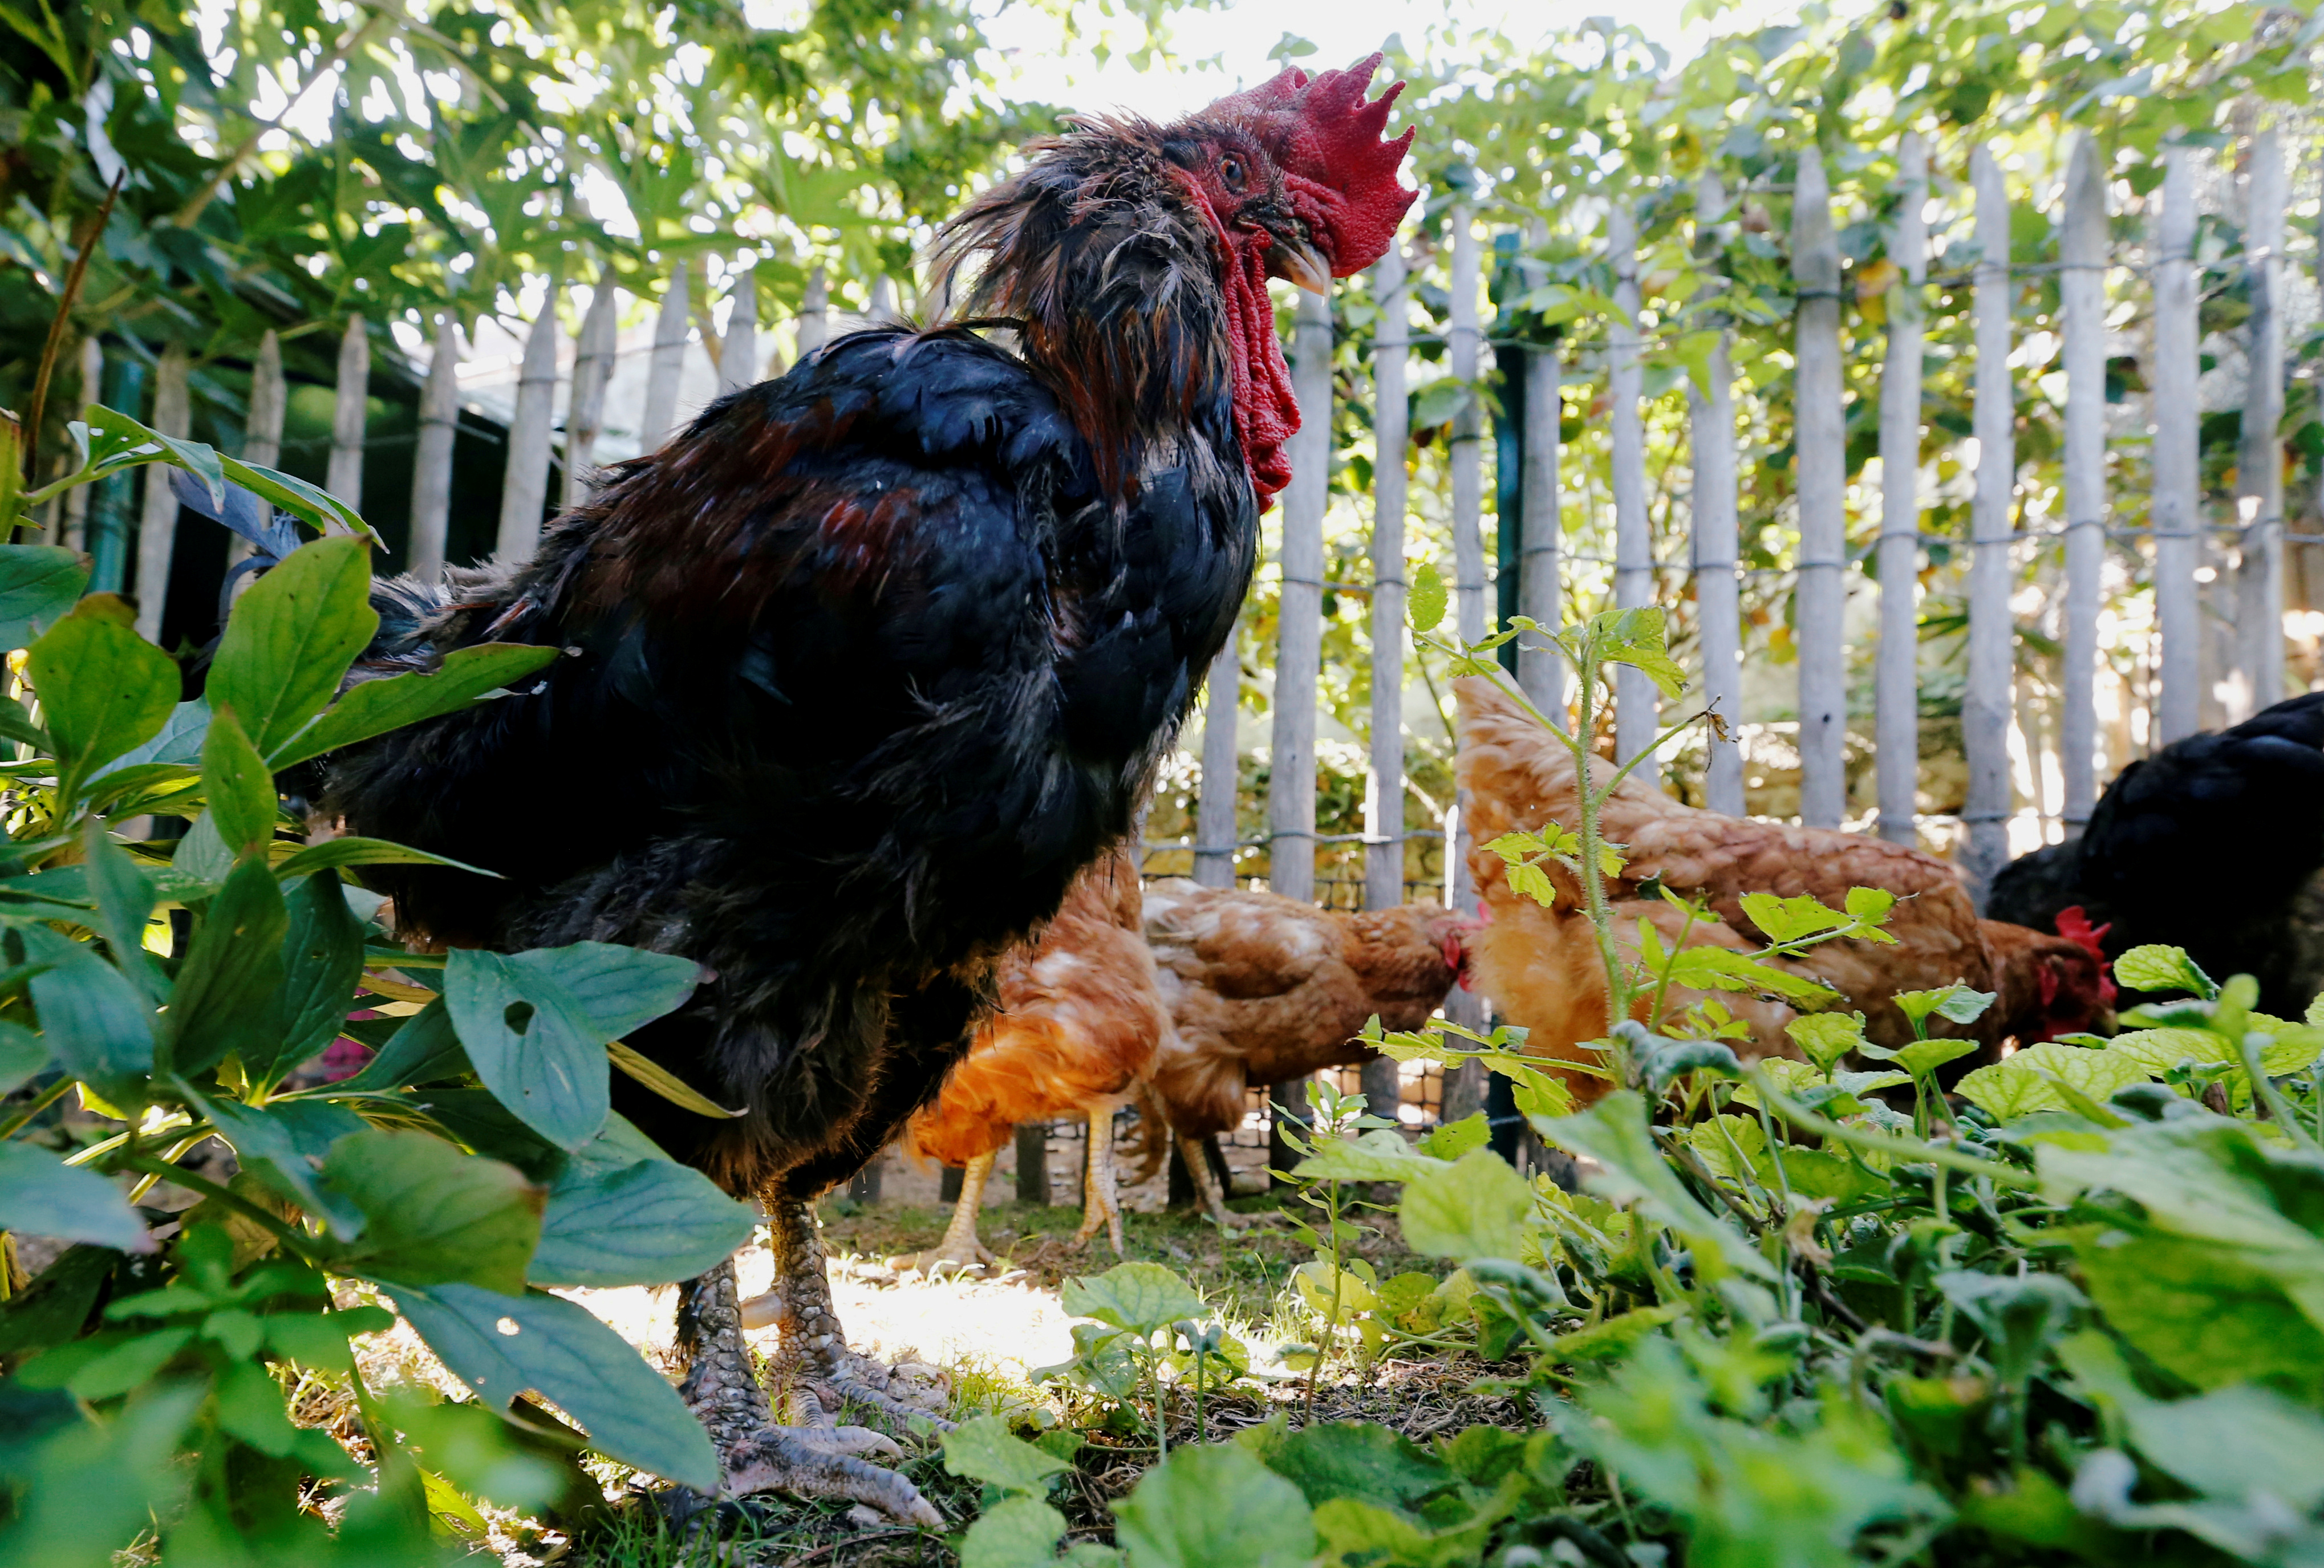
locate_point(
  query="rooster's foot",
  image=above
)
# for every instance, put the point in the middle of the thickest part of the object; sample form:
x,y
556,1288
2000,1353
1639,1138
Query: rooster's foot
x,y
819,1461
896,1396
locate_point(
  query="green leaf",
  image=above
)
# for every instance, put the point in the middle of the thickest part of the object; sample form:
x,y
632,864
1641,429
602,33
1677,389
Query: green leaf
x,y
100,1483
178,741
1475,1207
425,1050
201,857
2160,968
285,1145
196,458
311,503
1140,1297
1635,637
42,1195
377,706
1785,920
1614,1338
1426,604
1705,967
502,1345
2159,1050
24,1056
39,585
124,901
645,1070
1451,1140
1214,1508
103,689
95,1022
2206,1314
1357,1459
238,784
433,1214
222,999
1955,1002
1014,1532
363,852
984,1449
322,956
1614,1132
1380,1155
536,1024
1826,1037
1922,1058
2005,1093
2021,1084
291,638
652,1223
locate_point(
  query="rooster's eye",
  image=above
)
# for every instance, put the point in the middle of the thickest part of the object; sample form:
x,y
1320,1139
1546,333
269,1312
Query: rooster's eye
x,y
1231,170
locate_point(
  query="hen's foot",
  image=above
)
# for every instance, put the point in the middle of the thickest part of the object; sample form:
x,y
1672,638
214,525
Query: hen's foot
x,y
1100,1205
960,1252
818,1459
814,1354
1212,1194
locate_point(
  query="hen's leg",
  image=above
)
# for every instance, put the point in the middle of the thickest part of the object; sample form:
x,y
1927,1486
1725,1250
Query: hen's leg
x,y
814,1356
959,1250
1098,1200
756,1455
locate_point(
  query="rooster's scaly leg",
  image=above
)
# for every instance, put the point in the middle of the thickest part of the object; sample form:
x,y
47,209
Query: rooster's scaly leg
x,y
815,1357
1099,1205
959,1250
815,1459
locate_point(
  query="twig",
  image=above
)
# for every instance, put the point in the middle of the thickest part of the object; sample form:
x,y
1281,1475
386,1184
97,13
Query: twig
x,y
73,275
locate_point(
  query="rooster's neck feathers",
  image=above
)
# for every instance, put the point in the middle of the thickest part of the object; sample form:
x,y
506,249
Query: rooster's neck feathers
x,y
1117,282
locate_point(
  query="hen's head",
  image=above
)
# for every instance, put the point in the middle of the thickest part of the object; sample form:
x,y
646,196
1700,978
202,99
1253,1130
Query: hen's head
x,y
1137,255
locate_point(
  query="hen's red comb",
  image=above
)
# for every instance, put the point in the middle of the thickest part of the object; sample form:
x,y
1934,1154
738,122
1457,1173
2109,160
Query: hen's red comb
x,y
2074,926
1325,136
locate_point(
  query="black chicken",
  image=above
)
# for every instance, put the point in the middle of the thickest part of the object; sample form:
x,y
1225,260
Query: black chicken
x,y
867,664
2211,845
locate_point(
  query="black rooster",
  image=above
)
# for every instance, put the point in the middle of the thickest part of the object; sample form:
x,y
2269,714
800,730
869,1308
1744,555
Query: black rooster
x,y
2209,845
868,663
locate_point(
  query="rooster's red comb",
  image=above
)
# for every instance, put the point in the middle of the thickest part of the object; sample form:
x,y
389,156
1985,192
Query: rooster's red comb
x,y
1325,136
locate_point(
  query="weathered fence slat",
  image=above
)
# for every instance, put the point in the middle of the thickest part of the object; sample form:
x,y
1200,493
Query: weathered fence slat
x,y
2082,287
262,429
2177,415
1541,557
1711,441
738,344
1897,711
1391,416
1820,437
350,405
156,522
667,369
2259,466
1987,705
1637,717
524,483
1464,354
431,458
815,313
73,526
1215,807
584,410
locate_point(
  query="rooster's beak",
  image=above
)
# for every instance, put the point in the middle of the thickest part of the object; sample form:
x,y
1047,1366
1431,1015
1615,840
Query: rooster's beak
x,y
1300,263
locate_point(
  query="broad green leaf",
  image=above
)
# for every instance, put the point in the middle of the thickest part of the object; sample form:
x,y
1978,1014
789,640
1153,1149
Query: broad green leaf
x,y
377,706
1380,1155
1946,1001
42,1195
24,1056
1635,637
1870,906
201,857
2160,968
2008,1089
285,1145
100,1483
653,1223
425,1050
1357,1459
103,689
1451,1140
238,784
1922,1058
1827,1038
363,852
432,1214
16,724
1789,920
536,1024
2235,1442
984,1449
124,901
1214,1508
1013,1533
1473,1208
1140,1297
2157,1051
1425,604
322,955
2207,1314
95,1022
178,741
194,458
1614,1338
2006,1092
1707,967
311,503
39,585
1614,1132
221,1001
291,638
502,1345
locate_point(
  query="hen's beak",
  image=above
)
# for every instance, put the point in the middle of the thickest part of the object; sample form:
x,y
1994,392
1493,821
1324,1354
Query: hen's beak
x,y
1300,262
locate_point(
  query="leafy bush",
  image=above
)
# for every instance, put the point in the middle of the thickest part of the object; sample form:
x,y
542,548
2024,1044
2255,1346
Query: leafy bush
x,y
176,985
2068,1314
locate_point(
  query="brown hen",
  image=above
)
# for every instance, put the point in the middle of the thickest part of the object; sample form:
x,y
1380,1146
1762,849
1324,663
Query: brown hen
x,y
1081,1017
1541,966
1262,989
